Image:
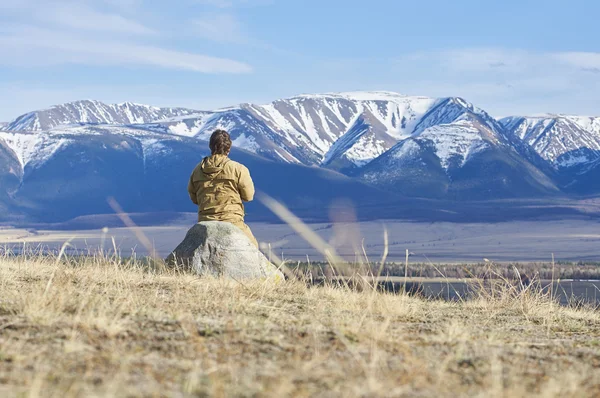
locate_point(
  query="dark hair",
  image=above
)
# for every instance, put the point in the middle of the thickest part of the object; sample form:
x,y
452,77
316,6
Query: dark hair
x,y
220,142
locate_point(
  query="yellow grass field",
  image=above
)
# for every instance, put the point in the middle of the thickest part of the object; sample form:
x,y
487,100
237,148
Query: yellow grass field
x,y
97,327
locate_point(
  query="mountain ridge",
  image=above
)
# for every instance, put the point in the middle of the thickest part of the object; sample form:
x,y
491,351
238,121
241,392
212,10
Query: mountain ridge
x,y
92,111
443,148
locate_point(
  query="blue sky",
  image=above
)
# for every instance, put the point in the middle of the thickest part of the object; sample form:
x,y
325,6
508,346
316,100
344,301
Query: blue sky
x,y
509,57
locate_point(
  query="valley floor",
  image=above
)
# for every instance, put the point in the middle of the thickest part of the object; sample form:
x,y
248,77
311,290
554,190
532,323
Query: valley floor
x,y
101,327
438,242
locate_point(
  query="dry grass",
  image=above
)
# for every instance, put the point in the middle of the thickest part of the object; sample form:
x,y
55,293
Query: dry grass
x,y
98,327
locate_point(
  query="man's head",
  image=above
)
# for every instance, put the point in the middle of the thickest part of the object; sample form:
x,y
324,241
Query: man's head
x,y
220,142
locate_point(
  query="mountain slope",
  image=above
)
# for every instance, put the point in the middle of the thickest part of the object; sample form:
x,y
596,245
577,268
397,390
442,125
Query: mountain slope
x,y
304,128
11,173
563,141
569,145
466,159
588,123
389,144
94,112
364,141
72,171
343,131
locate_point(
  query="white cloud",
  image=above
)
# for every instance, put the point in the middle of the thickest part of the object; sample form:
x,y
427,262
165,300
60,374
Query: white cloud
x,y
216,3
95,32
82,17
30,46
507,80
223,27
583,60
124,5
475,60
505,61
232,3
220,27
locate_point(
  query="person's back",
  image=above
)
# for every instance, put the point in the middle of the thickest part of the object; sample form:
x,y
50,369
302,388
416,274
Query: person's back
x,y
219,185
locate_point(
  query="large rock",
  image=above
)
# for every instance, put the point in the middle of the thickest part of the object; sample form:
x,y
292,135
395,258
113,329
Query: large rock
x,y
221,249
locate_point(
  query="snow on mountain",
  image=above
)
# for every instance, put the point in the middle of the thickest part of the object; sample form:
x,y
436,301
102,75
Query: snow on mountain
x,y
451,126
306,128
465,159
331,115
32,149
564,141
318,121
378,136
343,131
458,141
10,171
356,144
417,146
588,123
364,141
188,126
347,131
451,144
93,112
69,172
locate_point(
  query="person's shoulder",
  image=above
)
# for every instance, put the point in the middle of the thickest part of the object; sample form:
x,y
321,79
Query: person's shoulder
x,y
198,167
233,165
197,171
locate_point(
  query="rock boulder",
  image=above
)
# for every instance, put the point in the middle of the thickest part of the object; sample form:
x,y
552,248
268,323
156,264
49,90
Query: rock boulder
x,y
221,249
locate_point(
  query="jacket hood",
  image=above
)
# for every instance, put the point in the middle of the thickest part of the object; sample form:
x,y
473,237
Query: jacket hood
x,y
213,165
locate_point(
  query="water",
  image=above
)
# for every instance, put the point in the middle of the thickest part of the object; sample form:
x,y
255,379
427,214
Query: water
x,y
565,291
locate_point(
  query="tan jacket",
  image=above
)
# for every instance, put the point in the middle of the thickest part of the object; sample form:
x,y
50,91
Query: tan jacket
x,y
219,186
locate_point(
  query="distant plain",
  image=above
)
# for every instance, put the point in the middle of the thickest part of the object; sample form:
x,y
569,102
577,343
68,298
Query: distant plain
x,y
439,242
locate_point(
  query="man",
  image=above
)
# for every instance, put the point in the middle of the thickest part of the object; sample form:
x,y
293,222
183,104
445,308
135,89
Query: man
x,y
219,186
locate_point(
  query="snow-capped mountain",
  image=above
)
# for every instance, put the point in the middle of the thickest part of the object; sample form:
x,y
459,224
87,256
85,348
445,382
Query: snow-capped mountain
x,y
570,145
588,123
93,112
563,141
469,158
303,129
342,131
68,172
71,157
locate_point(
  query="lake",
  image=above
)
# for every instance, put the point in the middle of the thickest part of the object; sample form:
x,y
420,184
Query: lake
x,y
565,291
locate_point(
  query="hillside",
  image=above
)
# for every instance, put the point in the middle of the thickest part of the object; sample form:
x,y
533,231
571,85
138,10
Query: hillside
x,y
98,327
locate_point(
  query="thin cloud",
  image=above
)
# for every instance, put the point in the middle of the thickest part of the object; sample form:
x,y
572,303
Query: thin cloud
x,y
473,59
232,3
52,48
216,3
124,5
93,32
81,17
591,70
220,27
224,27
582,60
511,60
507,80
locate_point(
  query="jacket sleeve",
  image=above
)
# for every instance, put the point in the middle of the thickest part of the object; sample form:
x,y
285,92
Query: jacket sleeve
x,y
192,190
245,185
